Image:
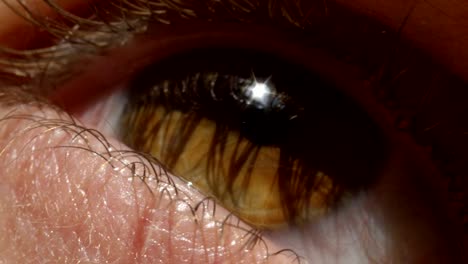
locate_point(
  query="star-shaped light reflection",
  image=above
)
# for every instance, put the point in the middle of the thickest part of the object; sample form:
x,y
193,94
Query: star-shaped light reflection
x,y
260,93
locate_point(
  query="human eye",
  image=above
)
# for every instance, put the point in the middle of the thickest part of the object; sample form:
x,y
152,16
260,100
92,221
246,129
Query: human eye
x,y
284,159
389,89
263,137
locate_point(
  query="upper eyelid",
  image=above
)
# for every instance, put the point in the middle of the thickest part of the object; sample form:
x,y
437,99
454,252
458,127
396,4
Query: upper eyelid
x,y
40,131
49,63
295,14
102,34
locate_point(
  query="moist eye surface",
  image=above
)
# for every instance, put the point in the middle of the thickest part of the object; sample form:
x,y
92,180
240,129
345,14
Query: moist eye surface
x,y
270,140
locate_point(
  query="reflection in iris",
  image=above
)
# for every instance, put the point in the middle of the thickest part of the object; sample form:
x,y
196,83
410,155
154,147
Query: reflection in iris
x,y
260,93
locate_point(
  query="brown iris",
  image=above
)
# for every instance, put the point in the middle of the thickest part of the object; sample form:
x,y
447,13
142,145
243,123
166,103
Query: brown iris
x,y
275,146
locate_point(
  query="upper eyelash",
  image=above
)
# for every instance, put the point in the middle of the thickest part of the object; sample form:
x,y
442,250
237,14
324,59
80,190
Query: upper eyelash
x,y
90,35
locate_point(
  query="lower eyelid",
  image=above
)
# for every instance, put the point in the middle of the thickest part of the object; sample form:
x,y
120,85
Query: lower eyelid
x,y
331,234
108,191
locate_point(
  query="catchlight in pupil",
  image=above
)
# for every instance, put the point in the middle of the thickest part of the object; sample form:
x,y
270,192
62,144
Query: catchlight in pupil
x,y
260,93
273,142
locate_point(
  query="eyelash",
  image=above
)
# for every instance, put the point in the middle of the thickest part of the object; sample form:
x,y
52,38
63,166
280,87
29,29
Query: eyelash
x,y
92,35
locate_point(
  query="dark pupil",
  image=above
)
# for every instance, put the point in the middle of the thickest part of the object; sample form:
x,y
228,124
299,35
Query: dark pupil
x,y
264,126
302,114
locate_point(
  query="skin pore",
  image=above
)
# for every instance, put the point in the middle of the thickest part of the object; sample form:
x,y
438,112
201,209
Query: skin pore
x,y
71,194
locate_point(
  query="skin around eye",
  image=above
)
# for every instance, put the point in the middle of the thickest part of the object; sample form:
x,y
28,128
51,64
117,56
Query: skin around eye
x,y
437,26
